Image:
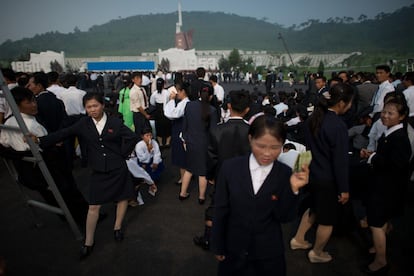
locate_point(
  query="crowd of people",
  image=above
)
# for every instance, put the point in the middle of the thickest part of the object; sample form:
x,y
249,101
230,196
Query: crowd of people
x,y
240,148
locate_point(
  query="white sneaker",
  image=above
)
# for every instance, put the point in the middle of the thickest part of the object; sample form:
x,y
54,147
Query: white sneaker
x,y
323,258
294,244
139,199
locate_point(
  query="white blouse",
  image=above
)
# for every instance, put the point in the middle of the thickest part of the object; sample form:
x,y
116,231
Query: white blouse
x,y
258,173
174,112
101,124
14,139
145,156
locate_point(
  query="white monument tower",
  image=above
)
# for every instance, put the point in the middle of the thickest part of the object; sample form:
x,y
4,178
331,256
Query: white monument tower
x,y
179,24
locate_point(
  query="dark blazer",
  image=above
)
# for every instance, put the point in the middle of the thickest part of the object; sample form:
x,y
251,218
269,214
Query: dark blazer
x,y
227,140
329,149
366,91
195,130
195,87
51,111
105,152
248,224
391,173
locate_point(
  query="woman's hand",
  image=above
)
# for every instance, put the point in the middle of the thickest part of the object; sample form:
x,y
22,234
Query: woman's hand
x,y
343,198
154,167
220,258
299,179
365,154
149,146
172,95
33,137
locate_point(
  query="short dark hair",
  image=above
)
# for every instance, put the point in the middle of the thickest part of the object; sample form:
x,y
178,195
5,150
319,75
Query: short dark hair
x,y
384,67
53,76
289,146
239,100
71,79
21,93
213,78
183,86
267,124
146,130
41,78
9,74
136,74
409,76
93,96
200,72
322,78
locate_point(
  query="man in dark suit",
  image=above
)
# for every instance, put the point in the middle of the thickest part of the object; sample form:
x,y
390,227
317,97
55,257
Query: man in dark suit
x,y
196,84
366,91
228,140
51,110
51,114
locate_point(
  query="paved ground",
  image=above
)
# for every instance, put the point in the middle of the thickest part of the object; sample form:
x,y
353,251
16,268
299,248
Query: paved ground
x,y
159,239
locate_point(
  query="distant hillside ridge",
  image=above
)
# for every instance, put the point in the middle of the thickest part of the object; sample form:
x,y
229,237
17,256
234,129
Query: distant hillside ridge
x,y
216,30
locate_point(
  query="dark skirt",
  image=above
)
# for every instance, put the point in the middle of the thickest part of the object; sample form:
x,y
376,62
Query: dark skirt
x,y
196,158
112,186
324,201
162,123
177,149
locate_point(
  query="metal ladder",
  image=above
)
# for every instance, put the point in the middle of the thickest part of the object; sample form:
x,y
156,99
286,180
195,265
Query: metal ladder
x,y
37,158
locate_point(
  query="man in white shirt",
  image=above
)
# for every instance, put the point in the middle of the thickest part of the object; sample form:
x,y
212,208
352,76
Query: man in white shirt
x,y
73,101
10,79
282,105
72,97
27,172
28,108
382,73
54,85
218,89
139,102
408,82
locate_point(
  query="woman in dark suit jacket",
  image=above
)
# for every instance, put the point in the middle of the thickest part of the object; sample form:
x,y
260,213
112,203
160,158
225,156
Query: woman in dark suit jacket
x,y
107,142
199,118
390,165
254,195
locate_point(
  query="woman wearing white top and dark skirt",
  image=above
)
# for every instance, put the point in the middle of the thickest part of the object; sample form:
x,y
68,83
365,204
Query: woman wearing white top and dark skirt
x,y
162,124
175,112
107,143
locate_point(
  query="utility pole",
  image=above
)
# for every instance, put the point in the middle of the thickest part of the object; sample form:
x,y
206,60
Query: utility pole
x,y
286,48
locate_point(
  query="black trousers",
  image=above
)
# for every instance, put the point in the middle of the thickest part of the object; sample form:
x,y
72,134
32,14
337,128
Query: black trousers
x,y
140,122
243,266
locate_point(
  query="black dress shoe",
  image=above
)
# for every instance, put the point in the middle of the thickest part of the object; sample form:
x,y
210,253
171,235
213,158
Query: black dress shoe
x,y
201,242
181,198
118,235
85,251
201,201
382,271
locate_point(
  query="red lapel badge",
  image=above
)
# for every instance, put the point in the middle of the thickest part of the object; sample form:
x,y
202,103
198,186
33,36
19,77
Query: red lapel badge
x,y
110,130
274,197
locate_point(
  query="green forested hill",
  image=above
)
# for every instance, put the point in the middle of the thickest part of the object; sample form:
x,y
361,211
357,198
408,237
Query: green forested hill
x,y
148,33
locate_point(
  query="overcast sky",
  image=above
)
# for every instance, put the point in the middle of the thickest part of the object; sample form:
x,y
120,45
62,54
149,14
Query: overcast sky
x,y
25,18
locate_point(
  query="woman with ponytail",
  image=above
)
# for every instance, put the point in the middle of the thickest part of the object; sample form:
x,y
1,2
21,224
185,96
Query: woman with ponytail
x,y
199,117
326,137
